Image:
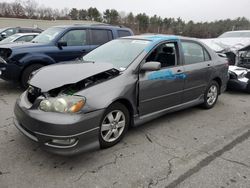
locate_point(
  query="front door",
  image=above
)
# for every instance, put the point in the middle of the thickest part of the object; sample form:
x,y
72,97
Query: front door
x,y
77,46
161,89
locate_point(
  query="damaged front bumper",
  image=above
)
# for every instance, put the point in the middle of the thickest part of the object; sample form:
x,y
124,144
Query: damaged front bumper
x,y
239,79
64,134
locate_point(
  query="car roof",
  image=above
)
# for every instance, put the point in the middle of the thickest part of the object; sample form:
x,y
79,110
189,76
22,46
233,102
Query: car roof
x,y
104,26
158,37
24,34
239,31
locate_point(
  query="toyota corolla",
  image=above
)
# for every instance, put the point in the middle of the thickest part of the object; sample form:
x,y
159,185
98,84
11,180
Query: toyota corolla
x,y
73,107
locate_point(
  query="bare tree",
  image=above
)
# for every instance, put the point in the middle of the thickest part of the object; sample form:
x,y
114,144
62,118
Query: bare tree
x,y
6,10
30,7
18,9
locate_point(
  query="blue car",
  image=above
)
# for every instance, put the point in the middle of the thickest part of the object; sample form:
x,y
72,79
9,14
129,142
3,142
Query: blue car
x,y
56,44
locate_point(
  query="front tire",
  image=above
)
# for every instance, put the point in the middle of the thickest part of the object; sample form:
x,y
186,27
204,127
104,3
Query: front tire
x,y
211,95
26,74
114,125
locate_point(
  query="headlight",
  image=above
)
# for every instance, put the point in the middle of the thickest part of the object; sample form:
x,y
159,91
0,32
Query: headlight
x,y
63,104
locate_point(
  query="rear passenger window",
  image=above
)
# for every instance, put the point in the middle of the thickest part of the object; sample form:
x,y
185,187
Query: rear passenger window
x,y
75,38
122,33
100,36
194,53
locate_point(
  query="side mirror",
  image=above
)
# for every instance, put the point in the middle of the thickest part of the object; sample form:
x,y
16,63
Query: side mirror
x,y
3,35
151,66
60,44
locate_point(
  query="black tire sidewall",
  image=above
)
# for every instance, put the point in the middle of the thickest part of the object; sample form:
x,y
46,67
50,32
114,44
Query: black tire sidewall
x,y
113,107
248,87
26,74
205,104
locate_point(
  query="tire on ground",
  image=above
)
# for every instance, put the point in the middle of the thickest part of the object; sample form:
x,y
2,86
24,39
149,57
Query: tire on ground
x,y
27,72
114,107
205,104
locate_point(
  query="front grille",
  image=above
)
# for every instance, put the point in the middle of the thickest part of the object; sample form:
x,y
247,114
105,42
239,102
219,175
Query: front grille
x,y
33,94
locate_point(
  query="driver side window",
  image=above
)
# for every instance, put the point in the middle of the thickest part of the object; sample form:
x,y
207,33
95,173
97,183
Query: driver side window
x,y
165,53
75,38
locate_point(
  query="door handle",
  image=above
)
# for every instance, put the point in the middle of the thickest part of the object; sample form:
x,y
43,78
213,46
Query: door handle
x,y
83,50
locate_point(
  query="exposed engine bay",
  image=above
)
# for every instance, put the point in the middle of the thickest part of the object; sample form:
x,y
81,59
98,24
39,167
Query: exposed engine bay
x,y
71,89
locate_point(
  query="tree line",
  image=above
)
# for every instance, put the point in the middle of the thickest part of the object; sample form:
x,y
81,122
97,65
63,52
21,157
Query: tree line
x,y
139,23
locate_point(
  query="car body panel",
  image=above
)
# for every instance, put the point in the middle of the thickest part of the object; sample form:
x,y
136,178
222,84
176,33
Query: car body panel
x,y
239,79
70,72
160,89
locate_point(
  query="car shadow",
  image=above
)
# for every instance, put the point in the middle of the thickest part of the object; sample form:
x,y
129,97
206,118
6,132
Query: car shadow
x,y
10,87
235,92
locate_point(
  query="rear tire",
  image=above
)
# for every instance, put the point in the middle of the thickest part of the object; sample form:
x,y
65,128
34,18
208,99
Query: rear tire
x,y
211,95
114,125
26,74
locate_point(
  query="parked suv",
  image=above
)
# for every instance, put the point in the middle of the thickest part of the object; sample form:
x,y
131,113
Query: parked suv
x,y
8,31
56,44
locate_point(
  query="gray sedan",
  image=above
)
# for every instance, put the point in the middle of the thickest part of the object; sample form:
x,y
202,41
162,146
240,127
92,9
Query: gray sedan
x,y
73,107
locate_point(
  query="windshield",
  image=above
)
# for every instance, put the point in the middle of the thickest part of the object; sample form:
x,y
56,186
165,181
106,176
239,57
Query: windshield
x,y
48,35
121,52
10,38
235,35
3,29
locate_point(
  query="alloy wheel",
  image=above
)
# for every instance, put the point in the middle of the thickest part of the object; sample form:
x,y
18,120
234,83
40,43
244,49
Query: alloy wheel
x,y
113,126
212,95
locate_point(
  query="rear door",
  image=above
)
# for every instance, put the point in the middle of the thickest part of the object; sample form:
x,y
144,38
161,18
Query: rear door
x,y
77,45
161,89
99,37
197,68
123,33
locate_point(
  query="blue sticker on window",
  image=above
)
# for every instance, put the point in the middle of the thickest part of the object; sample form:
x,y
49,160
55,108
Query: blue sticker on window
x,y
166,75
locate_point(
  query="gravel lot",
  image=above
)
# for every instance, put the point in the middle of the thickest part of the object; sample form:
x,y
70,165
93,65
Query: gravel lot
x,y
191,148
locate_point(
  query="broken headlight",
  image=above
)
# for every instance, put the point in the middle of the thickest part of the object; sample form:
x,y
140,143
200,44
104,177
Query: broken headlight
x,y
63,104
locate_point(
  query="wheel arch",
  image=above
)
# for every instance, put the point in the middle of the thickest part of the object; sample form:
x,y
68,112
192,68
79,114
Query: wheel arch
x,y
35,60
129,106
219,81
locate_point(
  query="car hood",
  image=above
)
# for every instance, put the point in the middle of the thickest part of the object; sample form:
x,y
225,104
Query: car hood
x,y
227,44
55,76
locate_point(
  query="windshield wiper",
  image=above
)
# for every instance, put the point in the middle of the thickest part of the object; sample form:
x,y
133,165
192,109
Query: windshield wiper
x,y
84,61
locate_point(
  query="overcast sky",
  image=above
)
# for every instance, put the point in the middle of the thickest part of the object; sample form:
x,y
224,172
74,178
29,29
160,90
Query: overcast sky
x,y
197,10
